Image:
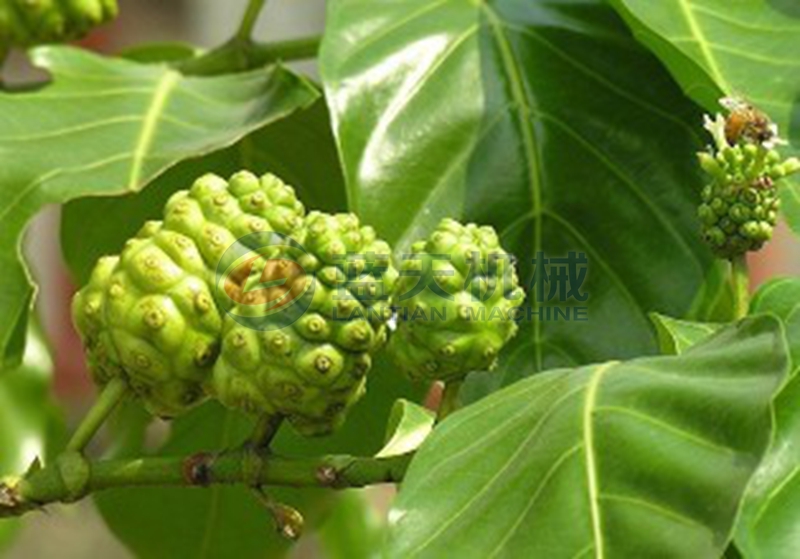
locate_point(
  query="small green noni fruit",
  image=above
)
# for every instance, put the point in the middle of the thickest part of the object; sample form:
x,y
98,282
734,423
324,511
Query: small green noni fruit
x,y
309,361
148,316
31,22
456,300
739,206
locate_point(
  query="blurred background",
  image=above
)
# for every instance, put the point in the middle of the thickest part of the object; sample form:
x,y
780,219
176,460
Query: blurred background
x,y
76,531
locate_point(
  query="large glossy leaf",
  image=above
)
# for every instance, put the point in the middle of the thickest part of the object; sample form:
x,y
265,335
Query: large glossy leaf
x,y
106,127
30,422
93,227
746,48
768,527
622,460
545,120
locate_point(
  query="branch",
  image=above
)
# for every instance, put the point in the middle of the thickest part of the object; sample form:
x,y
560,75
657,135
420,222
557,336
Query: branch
x,y
71,477
239,56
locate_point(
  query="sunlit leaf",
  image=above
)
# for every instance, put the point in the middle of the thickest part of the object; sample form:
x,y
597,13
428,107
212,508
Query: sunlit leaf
x,y
620,460
409,426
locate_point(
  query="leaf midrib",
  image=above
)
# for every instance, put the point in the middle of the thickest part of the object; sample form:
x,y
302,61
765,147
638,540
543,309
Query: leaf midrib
x,y
166,84
705,49
524,112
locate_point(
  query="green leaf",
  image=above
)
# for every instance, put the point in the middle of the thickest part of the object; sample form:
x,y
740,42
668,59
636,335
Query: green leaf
x,y
676,336
31,424
743,48
771,512
781,296
747,48
108,127
409,426
93,227
354,530
545,120
616,460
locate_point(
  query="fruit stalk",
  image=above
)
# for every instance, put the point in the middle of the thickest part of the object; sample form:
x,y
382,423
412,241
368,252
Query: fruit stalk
x,y
106,403
249,19
265,431
449,400
740,282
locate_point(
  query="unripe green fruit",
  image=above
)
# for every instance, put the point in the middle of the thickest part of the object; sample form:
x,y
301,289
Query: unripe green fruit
x,y
745,217
31,22
446,335
148,316
214,213
739,208
313,369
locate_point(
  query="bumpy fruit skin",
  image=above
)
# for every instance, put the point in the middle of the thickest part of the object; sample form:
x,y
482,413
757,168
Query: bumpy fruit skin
x,y
464,316
26,23
214,213
312,370
152,315
739,208
148,316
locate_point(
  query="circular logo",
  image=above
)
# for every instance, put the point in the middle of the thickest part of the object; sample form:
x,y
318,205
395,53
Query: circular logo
x,y
260,282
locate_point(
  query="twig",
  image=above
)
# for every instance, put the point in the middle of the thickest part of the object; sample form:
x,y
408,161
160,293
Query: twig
x,y
47,486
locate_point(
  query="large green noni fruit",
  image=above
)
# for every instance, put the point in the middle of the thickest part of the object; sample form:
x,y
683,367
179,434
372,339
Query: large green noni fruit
x,y
456,302
151,316
216,214
309,361
148,316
